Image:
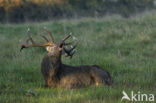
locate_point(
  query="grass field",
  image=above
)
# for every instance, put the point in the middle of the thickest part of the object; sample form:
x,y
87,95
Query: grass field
x,y
124,47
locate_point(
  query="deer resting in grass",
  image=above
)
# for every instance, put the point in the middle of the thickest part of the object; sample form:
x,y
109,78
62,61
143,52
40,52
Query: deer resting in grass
x,y
57,74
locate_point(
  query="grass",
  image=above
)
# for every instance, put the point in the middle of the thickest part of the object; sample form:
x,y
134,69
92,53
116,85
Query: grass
x,y
124,47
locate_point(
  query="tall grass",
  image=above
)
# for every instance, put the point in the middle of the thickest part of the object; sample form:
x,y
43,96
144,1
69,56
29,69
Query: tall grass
x,y
124,47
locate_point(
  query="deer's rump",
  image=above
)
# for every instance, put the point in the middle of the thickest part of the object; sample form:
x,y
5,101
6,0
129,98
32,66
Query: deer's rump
x,y
81,76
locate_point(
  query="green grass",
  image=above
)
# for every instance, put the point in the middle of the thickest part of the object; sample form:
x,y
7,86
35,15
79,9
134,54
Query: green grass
x,y
124,47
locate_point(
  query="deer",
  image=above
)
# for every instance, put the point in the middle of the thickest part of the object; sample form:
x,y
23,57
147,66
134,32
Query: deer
x,y
59,75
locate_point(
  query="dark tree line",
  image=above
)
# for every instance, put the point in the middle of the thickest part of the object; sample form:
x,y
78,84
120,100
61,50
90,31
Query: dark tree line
x,y
27,10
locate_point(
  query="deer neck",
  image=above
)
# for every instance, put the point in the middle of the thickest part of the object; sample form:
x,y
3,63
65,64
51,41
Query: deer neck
x,y
51,67
54,60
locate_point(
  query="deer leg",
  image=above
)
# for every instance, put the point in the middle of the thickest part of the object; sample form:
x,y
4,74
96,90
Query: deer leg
x,y
98,76
98,81
45,83
101,76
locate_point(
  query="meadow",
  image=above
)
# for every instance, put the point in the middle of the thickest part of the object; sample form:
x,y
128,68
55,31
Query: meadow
x,y
124,47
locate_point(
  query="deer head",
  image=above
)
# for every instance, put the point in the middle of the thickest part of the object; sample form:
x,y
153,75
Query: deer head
x,y
53,48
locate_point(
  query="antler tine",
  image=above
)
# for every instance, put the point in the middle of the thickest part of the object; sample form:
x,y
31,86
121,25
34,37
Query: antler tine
x,y
44,37
74,38
52,39
23,45
62,42
66,37
29,37
71,51
70,54
26,45
70,43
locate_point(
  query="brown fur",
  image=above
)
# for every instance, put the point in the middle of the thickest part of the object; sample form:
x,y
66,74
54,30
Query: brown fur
x,y
57,74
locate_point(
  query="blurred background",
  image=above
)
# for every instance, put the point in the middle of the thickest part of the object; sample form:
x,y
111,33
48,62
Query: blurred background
x,y
17,11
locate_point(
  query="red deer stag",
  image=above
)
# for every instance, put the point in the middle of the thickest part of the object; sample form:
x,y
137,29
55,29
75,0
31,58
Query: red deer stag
x,y
57,74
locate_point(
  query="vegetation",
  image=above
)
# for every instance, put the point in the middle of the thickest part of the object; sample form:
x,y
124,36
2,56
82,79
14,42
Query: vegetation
x,y
124,47
40,10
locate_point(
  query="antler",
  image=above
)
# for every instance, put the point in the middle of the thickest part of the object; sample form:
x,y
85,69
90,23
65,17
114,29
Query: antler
x,y
62,43
44,37
70,52
52,39
26,45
